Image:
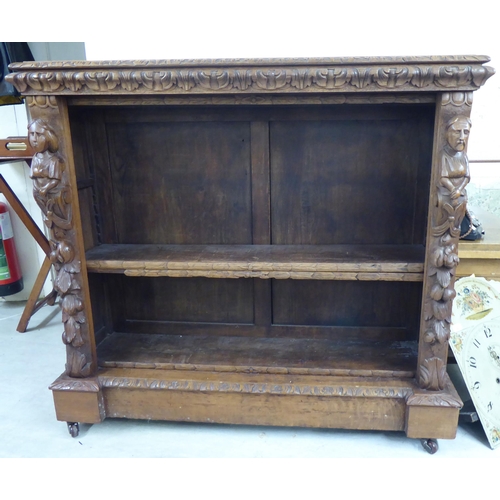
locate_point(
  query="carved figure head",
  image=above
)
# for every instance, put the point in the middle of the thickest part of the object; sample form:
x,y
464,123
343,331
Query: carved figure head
x,y
457,132
41,136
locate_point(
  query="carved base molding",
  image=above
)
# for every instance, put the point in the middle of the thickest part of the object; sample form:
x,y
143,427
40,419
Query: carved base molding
x,y
329,387
78,400
446,398
255,399
65,383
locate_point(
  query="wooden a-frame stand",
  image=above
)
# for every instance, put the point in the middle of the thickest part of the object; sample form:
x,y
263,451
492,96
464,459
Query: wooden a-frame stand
x,y
18,149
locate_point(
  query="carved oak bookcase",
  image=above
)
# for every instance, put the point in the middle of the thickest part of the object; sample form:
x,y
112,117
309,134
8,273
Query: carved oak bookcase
x,y
332,189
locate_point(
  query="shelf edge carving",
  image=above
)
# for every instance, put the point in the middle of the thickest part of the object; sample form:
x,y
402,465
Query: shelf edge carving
x,y
253,388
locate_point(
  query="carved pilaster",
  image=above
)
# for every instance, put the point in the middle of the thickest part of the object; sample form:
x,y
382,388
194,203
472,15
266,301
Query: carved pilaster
x,y
447,209
56,196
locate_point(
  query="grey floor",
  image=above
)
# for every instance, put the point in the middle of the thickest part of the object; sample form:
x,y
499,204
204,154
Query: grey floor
x,y
31,361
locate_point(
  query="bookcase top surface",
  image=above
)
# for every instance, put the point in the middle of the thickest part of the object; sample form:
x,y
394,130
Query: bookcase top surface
x,y
231,62
253,76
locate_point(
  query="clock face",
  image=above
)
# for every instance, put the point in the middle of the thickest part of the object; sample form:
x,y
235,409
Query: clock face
x,y
475,341
481,369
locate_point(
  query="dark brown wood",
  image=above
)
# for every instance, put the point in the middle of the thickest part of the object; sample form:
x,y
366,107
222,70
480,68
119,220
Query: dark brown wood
x,y
322,172
321,194
330,332
201,174
355,304
186,300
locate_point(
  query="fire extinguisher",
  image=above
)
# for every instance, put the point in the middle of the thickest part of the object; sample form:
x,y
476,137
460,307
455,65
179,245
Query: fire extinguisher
x,y
11,280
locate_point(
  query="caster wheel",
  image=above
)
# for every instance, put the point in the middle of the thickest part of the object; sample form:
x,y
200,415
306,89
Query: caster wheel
x,y
74,429
430,445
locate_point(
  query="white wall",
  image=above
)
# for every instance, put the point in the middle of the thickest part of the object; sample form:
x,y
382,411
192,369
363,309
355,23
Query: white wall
x,y
57,51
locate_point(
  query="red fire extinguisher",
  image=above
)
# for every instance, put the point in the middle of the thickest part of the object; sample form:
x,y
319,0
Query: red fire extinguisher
x,y
11,280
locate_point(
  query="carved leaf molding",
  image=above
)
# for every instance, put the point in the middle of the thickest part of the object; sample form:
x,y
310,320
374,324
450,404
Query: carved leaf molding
x,y
434,399
79,385
447,397
433,374
291,79
77,364
254,388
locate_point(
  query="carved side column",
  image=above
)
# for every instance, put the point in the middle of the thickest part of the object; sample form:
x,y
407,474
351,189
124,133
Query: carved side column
x,y
432,410
447,209
54,189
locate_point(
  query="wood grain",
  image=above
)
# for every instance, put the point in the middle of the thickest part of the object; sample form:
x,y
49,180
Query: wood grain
x,y
383,262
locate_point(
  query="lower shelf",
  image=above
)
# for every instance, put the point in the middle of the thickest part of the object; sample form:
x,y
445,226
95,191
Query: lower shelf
x,y
259,355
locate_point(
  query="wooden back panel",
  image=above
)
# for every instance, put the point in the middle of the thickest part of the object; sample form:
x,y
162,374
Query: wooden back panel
x,y
353,182
181,182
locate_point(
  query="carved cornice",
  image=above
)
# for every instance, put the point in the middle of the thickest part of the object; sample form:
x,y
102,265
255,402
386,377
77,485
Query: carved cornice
x,y
262,76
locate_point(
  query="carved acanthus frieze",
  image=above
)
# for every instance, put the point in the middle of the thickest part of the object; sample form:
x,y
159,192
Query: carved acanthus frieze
x,y
255,388
448,397
53,195
283,77
442,399
65,383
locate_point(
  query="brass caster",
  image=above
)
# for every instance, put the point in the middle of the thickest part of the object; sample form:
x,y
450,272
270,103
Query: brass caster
x,y
430,445
74,429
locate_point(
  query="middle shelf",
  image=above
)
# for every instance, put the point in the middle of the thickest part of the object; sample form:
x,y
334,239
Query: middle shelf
x,y
309,262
